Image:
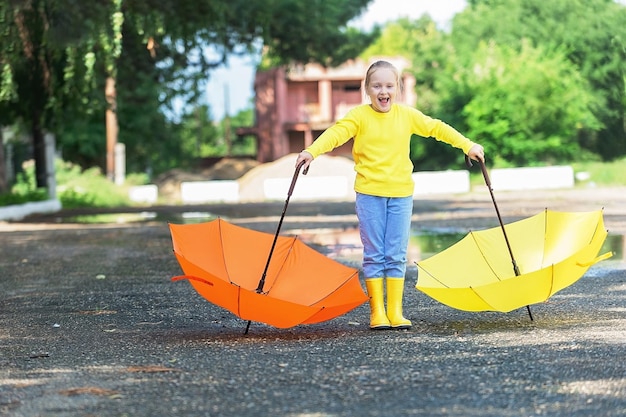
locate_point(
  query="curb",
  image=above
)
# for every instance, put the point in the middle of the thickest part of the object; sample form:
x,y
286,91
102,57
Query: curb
x,y
19,211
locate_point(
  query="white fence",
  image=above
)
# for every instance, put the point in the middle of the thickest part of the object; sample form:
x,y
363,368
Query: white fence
x,y
330,187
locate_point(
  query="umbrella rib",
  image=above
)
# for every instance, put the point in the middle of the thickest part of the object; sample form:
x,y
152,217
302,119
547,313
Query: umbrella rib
x,y
481,298
482,253
551,282
545,236
336,289
223,251
433,277
282,265
239,303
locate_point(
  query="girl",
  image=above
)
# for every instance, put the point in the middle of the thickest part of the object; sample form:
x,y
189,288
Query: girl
x,y
384,186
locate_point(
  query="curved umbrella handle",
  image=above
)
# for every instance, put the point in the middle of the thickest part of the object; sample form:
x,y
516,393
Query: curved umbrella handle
x,y
483,168
595,260
295,177
280,223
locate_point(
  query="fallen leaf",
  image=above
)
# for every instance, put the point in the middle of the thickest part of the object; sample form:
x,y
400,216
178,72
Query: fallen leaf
x,y
97,312
88,390
151,369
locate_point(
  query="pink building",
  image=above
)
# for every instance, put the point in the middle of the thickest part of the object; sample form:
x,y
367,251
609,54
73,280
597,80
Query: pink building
x,y
293,106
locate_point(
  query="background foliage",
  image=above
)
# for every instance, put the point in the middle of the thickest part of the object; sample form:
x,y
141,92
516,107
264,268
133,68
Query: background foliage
x,y
536,82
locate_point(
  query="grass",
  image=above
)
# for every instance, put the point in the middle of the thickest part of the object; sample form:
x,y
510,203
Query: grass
x,y
600,174
604,173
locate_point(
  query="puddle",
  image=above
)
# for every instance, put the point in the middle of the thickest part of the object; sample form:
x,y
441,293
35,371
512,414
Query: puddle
x,y
345,244
144,216
615,244
340,244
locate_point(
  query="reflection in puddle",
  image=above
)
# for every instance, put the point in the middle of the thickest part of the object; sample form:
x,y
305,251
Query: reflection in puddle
x,y
197,217
345,244
338,244
118,218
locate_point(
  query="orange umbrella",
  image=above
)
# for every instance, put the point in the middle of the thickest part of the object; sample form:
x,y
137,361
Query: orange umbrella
x,y
230,267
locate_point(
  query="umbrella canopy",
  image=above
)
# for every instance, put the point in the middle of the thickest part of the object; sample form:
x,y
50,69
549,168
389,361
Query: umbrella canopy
x,y
225,264
552,249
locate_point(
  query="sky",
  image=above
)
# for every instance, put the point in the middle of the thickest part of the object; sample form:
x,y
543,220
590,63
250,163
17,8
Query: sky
x,y
235,80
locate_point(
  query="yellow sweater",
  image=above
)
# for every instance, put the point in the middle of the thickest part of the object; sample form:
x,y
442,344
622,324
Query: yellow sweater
x,y
382,144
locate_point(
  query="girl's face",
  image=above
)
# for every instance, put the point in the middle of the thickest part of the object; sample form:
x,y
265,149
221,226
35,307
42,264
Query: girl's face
x,y
382,89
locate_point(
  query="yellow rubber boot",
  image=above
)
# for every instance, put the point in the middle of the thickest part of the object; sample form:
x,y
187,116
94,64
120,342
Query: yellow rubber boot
x,y
378,317
395,290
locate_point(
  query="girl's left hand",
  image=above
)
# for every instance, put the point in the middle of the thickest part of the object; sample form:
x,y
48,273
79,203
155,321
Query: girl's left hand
x,y
477,153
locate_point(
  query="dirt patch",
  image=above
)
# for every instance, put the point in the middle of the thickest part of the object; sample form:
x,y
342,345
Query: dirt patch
x,y
225,169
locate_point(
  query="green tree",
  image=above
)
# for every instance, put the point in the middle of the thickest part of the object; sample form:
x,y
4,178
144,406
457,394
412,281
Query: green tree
x,y
199,135
311,31
527,106
591,32
44,65
58,54
27,70
243,145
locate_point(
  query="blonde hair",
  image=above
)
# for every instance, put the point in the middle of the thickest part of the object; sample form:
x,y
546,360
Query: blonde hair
x,y
382,64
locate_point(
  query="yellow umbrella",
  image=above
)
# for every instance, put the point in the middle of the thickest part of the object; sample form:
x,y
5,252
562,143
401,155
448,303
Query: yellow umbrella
x,y
551,249
522,263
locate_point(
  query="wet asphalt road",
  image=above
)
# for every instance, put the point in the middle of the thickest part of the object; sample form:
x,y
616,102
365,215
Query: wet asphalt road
x,y
91,325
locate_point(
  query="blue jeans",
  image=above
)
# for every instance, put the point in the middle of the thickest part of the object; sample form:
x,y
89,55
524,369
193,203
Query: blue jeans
x,y
385,227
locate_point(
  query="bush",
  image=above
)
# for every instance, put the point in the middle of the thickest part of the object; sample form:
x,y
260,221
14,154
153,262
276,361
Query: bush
x,y
75,188
25,189
8,199
88,188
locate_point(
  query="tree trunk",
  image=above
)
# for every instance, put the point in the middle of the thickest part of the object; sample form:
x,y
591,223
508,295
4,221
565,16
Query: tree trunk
x,y
4,186
32,24
111,126
39,153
